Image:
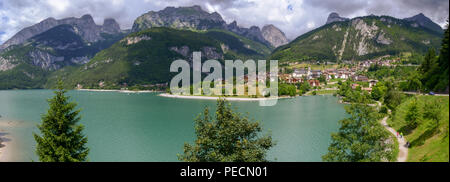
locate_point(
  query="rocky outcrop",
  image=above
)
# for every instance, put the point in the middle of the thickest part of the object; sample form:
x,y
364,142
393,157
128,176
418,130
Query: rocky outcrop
x,y
6,64
211,53
274,36
334,17
183,18
365,33
85,27
45,60
134,40
110,26
207,52
194,18
253,33
382,39
183,50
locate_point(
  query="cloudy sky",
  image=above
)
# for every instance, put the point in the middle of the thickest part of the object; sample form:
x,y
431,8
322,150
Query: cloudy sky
x,y
294,17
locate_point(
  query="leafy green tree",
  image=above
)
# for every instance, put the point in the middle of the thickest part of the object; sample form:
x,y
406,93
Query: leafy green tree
x,y
360,138
229,137
378,91
322,79
62,139
287,89
414,83
413,115
393,97
433,110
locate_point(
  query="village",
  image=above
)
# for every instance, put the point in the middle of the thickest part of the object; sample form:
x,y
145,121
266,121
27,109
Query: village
x,y
323,79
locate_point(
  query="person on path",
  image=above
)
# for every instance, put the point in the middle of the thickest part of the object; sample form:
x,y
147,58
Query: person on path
x,y
401,135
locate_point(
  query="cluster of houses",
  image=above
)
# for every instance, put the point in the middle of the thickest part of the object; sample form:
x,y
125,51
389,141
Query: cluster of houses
x,y
312,76
363,65
304,74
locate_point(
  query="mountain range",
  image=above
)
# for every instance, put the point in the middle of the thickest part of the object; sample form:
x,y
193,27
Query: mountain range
x,y
82,53
362,38
194,18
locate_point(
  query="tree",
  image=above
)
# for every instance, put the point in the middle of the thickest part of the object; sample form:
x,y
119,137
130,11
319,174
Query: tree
x,y
414,83
62,139
433,110
378,91
413,115
229,137
429,61
435,70
443,82
360,138
322,79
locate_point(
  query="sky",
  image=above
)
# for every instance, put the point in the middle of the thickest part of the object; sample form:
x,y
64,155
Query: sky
x,y
294,17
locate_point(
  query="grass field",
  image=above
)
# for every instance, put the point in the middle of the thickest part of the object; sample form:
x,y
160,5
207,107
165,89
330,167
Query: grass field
x,y
428,143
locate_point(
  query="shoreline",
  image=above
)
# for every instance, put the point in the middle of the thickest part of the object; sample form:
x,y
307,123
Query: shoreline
x,y
215,97
121,91
7,145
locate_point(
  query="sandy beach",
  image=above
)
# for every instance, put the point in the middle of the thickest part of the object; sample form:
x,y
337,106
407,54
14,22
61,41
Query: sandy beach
x,y
215,98
8,143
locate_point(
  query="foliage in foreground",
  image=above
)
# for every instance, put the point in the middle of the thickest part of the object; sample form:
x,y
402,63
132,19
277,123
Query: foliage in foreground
x,y
360,138
62,139
229,137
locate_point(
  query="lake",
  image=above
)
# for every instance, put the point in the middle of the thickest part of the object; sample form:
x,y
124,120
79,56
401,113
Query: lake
x,y
148,127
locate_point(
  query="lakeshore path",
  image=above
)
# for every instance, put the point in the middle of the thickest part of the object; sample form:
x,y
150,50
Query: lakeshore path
x,y
403,151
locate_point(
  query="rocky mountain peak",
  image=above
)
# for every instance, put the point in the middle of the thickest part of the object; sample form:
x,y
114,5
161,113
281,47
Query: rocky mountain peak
x,y
193,17
424,21
111,26
87,17
334,17
88,30
274,35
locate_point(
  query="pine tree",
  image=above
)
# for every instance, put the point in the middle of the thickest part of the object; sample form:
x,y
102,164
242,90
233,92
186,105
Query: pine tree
x,y
62,139
429,61
443,83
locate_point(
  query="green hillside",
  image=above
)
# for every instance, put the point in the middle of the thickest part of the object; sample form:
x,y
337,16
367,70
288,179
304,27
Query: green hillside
x,y
429,137
37,58
147,61
358,39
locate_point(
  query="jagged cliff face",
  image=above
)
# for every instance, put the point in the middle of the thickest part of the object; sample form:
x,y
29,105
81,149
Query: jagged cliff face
x,y
334,17
274,36
63,45
360,38
181,18
85,25
194,18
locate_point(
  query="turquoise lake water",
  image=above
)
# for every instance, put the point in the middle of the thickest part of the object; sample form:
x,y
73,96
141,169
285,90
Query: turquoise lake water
x,y
147,127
